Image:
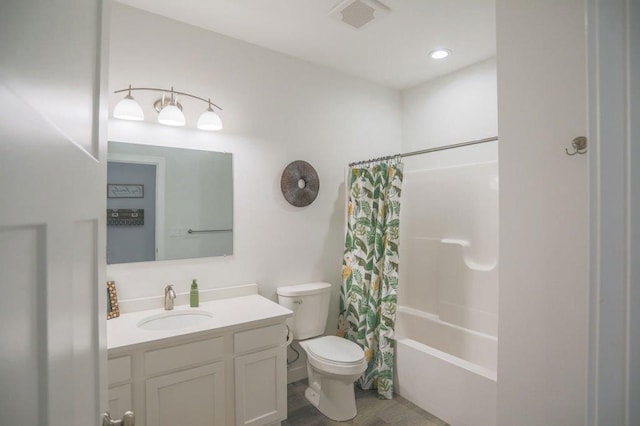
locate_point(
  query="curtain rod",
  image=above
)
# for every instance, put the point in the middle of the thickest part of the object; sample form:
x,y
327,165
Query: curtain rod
x,y
425,151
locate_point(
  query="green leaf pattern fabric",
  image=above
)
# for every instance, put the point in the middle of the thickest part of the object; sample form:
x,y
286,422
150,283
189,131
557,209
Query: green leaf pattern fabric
x,y
368,294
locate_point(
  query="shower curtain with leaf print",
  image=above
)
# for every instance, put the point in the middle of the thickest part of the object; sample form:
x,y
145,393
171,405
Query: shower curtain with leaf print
x,y
370,270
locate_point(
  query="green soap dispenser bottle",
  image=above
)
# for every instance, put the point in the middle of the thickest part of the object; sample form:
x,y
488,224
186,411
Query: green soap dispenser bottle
x,y
194,298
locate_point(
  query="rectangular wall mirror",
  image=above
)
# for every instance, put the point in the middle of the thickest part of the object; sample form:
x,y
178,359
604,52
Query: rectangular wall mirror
x,y
168,203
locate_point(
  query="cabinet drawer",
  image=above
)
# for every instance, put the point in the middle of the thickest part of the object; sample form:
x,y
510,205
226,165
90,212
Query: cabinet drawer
x,y
119,369
183,355
259,338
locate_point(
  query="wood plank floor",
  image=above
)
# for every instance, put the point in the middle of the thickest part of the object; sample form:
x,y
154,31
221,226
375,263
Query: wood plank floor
x,y
371,410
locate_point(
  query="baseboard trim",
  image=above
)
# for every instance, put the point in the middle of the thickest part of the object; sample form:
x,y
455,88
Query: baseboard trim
x,y
297,373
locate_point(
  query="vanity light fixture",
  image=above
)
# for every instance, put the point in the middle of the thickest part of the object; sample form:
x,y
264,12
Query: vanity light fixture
x,y
128,108
440,53
169,109
209,120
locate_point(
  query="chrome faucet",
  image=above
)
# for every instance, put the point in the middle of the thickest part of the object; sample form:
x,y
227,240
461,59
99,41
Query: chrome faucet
x,y
169,297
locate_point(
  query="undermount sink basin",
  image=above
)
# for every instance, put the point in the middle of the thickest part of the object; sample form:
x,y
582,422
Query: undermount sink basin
x,y
174,320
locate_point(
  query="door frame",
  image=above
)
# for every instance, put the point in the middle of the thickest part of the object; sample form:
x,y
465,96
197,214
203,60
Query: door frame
x,y
614,207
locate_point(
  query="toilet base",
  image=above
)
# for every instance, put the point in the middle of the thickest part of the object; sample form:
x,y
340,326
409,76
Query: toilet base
x,y
332,396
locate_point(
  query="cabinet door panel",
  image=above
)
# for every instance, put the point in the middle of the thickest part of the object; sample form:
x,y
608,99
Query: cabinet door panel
x,y
194,397
120,400
261,387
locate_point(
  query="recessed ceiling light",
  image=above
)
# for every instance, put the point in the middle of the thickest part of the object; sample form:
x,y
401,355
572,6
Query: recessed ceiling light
x,y
439,53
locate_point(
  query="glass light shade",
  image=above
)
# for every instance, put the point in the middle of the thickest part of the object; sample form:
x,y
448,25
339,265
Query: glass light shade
x,y
209,120
128,109
171,116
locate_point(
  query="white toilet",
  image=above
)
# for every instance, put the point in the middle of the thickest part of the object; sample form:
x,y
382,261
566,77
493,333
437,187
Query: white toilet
x,y
333,363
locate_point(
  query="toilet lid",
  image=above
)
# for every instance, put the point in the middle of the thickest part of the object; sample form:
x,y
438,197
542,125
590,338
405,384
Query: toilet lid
x,y
336,349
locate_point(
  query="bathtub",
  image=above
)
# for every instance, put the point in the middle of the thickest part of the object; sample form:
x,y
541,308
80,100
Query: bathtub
x,y
445,369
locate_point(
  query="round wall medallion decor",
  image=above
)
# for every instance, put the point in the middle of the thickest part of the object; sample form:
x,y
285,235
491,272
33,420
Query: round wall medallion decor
x,y
300,183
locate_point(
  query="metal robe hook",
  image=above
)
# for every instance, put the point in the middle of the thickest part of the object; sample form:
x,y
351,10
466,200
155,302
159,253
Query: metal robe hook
x,y
579,145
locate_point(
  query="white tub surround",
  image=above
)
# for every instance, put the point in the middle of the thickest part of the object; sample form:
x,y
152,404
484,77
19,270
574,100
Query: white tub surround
x,y
229,368
474,348
447,323
446,386
450,255
442,366
447,316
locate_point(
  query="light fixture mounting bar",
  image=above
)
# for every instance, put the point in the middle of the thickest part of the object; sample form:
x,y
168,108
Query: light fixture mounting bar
x,y
156,89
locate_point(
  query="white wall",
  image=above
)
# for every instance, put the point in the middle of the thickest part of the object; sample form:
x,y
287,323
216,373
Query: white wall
x,y
543,213
277,109
458,107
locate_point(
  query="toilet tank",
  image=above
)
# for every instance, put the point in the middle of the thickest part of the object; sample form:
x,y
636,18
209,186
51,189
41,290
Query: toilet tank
x,y
310,306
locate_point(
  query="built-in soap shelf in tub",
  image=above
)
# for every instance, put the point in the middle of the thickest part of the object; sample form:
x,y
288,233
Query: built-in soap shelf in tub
x,y
441,277
454,249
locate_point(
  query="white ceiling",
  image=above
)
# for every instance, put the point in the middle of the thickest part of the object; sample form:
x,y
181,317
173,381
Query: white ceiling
x,y
392,50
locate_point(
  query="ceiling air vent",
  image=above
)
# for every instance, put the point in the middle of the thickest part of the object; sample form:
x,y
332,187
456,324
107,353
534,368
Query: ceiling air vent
x,y
358,13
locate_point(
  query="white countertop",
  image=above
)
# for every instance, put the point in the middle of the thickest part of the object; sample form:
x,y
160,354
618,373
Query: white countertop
x,y
227,313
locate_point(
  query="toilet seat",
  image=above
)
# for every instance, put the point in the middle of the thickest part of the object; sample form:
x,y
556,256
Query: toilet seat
x,y
336,349
335,355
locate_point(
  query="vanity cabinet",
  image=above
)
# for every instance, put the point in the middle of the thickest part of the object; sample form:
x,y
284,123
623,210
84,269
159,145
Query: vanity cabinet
x,y
260,376
237,376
